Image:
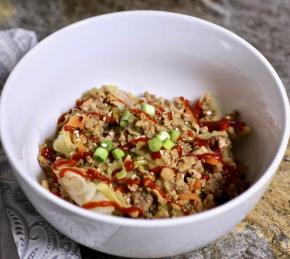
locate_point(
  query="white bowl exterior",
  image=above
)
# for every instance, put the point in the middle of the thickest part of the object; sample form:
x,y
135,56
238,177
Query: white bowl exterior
x,y
139,241
167,54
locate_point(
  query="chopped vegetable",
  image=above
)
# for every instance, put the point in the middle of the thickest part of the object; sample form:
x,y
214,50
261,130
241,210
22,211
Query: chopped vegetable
x,y
101,154
148,108
118,153
155,144
174,135
168,144
110,194
107,144
112,167
207,135
140,161
122,174
63,144
123,124
163,135
127,116
143,157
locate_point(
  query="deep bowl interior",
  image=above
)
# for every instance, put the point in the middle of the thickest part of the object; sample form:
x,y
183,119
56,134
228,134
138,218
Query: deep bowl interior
x,y
163,54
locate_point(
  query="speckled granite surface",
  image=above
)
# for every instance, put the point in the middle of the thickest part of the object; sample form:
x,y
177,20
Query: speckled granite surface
x,y
265,233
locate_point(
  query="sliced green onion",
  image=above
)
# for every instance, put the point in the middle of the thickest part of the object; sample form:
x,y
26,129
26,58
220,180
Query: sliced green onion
x,y
122,174
127,116
140,161
101,154
155,144
163,135
174,135
147,108
168,144
123,124
112,167
118,153
107,144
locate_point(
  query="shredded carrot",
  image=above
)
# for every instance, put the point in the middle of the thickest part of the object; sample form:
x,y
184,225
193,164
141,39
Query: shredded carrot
x,y
76,122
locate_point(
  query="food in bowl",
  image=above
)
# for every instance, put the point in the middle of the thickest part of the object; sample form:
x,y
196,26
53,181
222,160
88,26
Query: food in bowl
x,y
161,53
143,157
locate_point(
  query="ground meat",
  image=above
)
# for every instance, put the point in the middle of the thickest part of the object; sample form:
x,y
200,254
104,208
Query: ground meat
x,y
146,127
142,199
103,146
181,185
186,163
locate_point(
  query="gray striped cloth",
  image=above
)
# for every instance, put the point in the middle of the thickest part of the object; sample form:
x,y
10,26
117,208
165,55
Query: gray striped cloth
x,y
34,237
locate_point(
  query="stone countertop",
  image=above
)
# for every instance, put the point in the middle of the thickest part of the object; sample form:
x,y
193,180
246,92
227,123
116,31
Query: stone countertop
x,y
265,232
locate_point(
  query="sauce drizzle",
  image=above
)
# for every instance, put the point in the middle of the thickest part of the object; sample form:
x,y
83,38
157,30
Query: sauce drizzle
x,y
87,173
152,185
148,117
129,165
197,110
80,155
223,124
62,162
48,153
157,170
179,150
155,155
206,156
124,211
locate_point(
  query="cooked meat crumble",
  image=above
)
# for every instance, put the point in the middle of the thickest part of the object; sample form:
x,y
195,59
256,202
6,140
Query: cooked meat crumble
x,y
143,157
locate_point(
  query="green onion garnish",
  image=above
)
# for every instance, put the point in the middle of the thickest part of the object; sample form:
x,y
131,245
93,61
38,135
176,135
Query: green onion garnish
x,y
107,144
168,144
174,135
147,108
163,135
123,124
122,174
140,163
101,154
155,144
127,116
118,153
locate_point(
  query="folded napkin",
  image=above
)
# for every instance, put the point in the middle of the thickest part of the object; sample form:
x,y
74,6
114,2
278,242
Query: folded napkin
x,y
34,237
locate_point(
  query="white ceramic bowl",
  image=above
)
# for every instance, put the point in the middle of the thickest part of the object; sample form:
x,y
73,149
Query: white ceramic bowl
x,y
167,54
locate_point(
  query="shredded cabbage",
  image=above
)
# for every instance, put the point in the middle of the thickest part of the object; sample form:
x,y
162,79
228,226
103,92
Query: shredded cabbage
x,y
110,194
117,164
63,144
78,188
82,191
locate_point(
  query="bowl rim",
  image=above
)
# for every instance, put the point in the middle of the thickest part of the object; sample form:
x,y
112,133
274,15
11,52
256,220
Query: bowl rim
x,y
254,188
